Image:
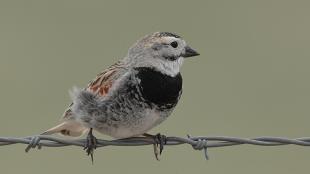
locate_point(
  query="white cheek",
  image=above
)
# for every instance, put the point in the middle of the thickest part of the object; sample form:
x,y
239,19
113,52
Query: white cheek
x,y
171,68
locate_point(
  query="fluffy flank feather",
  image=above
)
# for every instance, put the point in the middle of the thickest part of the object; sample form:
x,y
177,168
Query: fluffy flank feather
x,y
85,103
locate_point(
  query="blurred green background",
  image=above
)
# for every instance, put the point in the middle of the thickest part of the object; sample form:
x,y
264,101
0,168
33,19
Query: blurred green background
x,y
252,79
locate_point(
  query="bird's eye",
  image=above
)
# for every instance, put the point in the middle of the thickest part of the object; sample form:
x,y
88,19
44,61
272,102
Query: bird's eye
x,y
174,44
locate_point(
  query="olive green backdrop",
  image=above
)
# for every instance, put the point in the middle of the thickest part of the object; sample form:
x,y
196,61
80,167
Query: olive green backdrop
x,y
252,79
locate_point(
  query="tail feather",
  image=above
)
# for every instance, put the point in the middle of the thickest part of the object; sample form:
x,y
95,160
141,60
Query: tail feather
x,y
68,128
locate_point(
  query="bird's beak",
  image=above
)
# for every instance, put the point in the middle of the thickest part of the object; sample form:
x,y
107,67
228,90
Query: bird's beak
x,y
189,52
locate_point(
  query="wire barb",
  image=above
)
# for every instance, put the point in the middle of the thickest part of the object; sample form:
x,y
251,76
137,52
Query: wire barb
x,y
201,144
33,143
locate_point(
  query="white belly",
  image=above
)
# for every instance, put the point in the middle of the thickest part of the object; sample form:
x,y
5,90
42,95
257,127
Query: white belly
x,y
151,119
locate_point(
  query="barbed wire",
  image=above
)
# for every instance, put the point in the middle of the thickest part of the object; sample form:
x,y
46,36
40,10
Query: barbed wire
x,y
197,142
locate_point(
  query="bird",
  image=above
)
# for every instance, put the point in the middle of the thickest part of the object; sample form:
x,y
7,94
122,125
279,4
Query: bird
x,y
132,96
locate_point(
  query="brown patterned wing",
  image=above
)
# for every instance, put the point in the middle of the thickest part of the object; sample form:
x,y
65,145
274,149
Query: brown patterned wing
x,y
104,80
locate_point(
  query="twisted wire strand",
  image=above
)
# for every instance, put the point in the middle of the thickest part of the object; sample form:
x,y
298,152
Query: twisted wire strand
x,y
198,142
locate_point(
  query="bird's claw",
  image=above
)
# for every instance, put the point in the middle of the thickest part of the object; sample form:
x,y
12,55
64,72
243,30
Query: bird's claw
x,y
159,142
90,145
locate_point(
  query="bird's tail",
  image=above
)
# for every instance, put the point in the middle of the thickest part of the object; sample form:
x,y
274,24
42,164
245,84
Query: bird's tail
x,y
67,128
85,104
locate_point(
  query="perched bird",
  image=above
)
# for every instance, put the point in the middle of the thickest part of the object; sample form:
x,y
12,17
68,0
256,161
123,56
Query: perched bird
x,y
133,95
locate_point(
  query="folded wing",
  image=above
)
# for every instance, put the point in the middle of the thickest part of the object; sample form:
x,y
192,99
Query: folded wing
x,y
100,86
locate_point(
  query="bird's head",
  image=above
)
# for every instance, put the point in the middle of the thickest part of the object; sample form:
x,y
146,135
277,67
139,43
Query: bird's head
x,y
162,51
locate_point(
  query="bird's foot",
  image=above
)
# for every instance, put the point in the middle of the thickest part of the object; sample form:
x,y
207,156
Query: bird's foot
x,y
90,144
159,142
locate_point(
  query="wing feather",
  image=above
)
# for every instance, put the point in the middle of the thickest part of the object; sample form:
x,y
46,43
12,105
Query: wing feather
x,y
104,80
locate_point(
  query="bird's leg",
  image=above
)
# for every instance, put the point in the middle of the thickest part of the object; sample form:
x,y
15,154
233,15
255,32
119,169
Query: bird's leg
x,y
160,140
90,144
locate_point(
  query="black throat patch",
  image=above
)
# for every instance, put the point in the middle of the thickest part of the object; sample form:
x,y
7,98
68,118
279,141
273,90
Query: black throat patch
x,y
159,89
